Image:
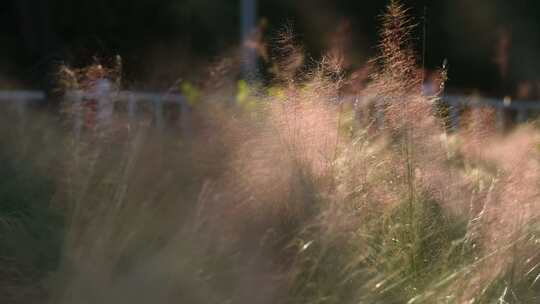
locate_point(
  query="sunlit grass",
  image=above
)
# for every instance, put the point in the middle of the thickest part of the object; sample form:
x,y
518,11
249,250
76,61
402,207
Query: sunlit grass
x,y
288,194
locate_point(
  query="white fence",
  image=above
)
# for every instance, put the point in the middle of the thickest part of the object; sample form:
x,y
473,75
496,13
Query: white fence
x,y
21,99
522,108
134,99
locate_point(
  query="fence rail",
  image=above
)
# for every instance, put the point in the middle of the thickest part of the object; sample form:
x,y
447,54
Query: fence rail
x,y
456,103
22,96
523,108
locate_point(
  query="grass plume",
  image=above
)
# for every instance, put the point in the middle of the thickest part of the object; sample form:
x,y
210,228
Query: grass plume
x,y
290,193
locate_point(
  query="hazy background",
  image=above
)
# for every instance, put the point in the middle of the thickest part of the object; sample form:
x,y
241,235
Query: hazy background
x,y
161,40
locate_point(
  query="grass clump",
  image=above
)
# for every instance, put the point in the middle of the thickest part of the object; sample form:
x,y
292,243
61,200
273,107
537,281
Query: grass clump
x,y
292,194
31,228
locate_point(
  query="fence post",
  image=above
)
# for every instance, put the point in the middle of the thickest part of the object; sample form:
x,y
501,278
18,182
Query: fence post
x,y
105,102
500,119
158,112
185,119
522,115
20,107
249,55
76,111
132,107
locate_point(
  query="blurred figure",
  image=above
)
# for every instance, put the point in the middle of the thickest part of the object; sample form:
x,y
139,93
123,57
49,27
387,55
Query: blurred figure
x,y
98,107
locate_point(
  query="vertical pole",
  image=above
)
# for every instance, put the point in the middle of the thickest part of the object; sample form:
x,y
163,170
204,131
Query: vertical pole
x,y
132,107
105,104
522,115
185,119
249,56
21,113
158,113
77,114
132,111
500,119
